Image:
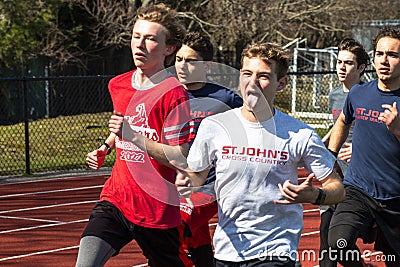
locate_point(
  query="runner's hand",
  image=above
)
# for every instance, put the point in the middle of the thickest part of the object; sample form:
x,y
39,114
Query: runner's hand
x,y
301,193
345,152
391,118
95,159
183,183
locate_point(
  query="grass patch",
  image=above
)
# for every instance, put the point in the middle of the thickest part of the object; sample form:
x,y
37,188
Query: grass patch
x,y
54,144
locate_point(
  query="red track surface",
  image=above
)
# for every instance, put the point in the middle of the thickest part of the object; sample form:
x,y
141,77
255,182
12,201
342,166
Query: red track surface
x,y
41,222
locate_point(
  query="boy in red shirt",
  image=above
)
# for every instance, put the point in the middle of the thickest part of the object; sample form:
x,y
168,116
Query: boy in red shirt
x,y
140,201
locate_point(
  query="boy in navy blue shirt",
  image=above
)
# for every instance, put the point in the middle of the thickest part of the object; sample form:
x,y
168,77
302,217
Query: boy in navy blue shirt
x,y
373,178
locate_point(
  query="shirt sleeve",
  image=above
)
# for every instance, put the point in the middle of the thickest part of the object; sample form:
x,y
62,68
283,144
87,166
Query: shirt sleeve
x,y
348,110
317,159
202,153
178,128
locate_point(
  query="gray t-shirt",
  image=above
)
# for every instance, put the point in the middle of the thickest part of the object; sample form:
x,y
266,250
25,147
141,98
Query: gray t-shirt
x,y
251,160
337,97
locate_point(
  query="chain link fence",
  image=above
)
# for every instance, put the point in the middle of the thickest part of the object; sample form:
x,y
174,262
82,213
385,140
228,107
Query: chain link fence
x,y
49,124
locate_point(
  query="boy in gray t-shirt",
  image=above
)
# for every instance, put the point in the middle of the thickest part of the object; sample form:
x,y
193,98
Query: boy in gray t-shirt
x,y
352,59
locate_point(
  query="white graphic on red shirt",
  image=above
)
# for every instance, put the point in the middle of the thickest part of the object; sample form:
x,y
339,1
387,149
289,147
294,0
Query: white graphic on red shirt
x,y
140,119
138,123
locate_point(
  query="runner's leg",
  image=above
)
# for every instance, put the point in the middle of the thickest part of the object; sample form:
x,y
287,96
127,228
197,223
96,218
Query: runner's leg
x,y
93,252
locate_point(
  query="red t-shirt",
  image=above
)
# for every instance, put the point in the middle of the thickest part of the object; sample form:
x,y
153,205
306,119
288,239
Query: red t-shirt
x,y
142,188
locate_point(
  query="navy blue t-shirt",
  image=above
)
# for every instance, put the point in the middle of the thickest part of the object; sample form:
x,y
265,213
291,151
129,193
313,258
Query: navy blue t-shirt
x,y
209,100
375,161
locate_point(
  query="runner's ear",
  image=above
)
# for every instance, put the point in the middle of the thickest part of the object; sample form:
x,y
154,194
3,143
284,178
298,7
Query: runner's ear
x,y
170,49
282,83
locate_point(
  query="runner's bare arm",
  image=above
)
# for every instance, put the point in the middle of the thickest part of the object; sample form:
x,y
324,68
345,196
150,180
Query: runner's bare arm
x,y
332,191
95,158
340,131
161,152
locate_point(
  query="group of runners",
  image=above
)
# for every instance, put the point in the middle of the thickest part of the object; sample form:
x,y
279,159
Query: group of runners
x,y
178,139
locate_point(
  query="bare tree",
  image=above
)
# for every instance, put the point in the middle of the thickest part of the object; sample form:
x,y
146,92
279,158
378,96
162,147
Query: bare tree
x,y
231,24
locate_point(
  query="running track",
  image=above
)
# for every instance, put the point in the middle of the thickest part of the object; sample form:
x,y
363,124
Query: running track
x,y
41,221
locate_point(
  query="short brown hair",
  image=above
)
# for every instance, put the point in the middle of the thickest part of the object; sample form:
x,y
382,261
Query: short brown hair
x,y
353,46
167,17
267,52
201,44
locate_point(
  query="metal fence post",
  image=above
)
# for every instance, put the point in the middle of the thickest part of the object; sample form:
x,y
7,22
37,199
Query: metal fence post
x,y
26,126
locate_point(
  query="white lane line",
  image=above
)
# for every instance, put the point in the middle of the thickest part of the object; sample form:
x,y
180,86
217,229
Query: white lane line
x,y
51,191
310,210
37,253
49,206
41,226
51,251
310,233
28,219
16,182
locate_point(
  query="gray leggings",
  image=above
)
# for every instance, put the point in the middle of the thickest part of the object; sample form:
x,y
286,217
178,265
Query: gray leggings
x,y
93,252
